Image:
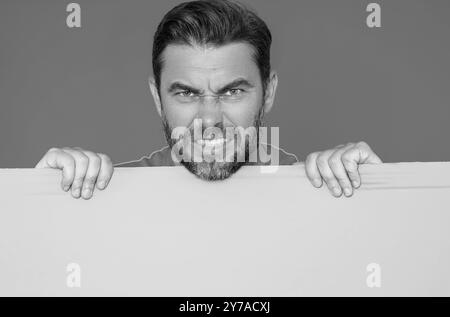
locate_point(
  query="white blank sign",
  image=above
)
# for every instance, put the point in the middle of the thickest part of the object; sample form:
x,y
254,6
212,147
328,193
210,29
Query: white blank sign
x,y
159,231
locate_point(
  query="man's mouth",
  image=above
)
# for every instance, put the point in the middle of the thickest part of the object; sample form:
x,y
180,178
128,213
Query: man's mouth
x,y
212,143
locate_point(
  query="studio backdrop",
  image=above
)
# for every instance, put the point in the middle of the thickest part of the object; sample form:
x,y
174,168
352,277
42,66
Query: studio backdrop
x,y
339,80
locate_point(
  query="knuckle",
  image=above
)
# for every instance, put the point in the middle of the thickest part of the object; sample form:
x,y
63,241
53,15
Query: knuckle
x,y
342,179
53,149
90,179
362,144
321,166
87,152
349,166
346,157
334,160
329,178
93,157
83,160
77,182
312,156
95,161
331,183
69,163
322,161
88,187
108,162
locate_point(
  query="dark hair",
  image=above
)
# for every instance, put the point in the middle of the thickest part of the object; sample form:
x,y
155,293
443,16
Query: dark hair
x,y
214,22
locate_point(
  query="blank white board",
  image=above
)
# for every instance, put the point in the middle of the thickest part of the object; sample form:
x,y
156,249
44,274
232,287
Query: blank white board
x,y
159,231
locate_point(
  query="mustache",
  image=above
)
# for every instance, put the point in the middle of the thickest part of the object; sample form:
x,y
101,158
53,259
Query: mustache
x,y
214,129
212,132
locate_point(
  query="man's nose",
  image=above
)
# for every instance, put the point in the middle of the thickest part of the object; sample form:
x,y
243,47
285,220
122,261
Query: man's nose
x,y
210,111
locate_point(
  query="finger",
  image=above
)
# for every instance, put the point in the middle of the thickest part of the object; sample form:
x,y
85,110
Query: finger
x,y
56,158
327,174
350,159
106,171
360,153
338,169
367,155
91,174
81,165
312,171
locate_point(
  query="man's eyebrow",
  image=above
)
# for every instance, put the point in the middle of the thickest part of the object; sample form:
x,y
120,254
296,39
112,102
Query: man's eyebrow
x,y
235,83
180,86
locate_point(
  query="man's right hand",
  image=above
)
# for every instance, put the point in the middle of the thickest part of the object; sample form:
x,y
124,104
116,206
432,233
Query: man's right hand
x,y
82,170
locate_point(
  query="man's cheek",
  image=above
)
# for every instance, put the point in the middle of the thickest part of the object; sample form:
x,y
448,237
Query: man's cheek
x,y
179,137
240,116
179,115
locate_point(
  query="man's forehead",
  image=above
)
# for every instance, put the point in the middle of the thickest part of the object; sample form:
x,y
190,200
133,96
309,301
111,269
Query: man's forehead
x,y
230,60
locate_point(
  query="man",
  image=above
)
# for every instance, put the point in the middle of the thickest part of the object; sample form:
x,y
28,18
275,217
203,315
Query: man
x,y
212,75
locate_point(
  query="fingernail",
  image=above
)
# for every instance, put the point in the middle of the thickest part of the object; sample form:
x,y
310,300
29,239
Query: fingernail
x,y
101,184
347,191
316,182
76,192
66,188
355,183
86,193
336,191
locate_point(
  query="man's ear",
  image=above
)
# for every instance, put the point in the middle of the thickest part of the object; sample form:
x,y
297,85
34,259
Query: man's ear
x,y
155,94
271,89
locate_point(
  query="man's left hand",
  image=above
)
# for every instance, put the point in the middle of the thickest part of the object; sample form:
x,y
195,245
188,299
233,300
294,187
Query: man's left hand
x,y
338,167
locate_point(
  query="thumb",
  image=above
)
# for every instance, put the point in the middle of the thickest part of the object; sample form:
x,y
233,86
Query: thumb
x,y
58,159
361,153
366,155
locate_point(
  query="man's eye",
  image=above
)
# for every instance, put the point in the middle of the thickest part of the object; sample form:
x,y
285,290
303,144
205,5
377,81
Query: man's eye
x,y
185,93
234,92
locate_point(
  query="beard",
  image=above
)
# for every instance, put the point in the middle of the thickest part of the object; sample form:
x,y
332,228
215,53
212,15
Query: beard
x,y
216,170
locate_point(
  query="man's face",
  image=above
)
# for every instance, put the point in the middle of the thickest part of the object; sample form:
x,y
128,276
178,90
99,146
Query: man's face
x,y
220,88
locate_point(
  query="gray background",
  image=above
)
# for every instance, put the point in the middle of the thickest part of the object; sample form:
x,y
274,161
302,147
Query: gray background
x,y
339,80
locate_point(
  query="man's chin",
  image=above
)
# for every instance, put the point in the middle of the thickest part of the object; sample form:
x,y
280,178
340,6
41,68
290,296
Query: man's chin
x,y
212,171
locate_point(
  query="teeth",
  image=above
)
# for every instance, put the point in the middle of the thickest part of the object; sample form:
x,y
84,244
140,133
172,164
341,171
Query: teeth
x,y
214,142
